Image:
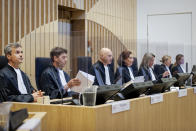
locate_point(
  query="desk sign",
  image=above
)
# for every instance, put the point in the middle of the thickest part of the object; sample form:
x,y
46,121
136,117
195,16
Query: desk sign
x,y
182,92
120,106
194,90
156,98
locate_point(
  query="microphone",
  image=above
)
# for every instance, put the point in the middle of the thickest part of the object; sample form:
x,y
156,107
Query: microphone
x,y
187,67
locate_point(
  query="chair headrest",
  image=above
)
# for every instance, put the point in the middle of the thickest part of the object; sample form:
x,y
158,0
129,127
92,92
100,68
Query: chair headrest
x,y
3,61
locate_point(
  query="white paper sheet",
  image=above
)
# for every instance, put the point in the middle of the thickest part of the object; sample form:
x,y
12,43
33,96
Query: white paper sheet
x,y
86,81
139,79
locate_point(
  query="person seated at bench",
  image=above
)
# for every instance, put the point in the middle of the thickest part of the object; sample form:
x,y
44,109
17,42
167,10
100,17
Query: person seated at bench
x,y
14,82
54,81
103,73
166,62
146,68
125,71
178,65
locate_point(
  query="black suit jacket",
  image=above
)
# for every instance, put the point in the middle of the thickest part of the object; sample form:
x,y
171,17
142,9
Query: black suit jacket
x,y
134,66
160,70
51,84
146,73
9,83
3,95
125,74
100,67
176,69
164,69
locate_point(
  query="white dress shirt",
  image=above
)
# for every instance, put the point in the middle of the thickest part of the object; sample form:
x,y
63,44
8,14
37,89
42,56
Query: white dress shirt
x,y
21,85
62,78
152,74
182,69
107,76
170,76
131,73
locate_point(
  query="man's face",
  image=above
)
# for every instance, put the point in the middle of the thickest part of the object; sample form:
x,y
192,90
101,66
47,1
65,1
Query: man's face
x,y
16,56
108,57
61,60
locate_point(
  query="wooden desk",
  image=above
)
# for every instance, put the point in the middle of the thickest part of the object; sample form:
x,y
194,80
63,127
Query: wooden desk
x,y
35,115
173,114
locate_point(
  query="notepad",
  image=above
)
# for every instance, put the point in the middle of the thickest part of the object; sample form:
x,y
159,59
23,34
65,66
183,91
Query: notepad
x,y
86,79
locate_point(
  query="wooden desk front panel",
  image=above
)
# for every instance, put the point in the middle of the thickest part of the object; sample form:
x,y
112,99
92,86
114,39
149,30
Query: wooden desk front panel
x,y
173,114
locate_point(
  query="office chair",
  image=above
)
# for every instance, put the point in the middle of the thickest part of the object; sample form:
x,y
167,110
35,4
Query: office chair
x,y
41,64
84,63
3,61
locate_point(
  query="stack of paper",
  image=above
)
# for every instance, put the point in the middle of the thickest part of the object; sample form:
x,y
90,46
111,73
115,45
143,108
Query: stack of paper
x,y
86,79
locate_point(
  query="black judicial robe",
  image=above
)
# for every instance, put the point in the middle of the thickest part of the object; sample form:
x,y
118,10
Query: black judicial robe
x,y
51,84
162,70
125,74
176,69
100,68
9,85
146,73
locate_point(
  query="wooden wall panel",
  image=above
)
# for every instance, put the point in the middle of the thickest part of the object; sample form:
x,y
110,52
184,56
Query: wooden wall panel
x,y
32,15
11,21
36,26
42,11
100,38
55,9
118,17
16,33
22,18
6,22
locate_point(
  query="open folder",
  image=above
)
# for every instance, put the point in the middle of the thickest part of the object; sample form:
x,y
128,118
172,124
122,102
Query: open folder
x,y
86,79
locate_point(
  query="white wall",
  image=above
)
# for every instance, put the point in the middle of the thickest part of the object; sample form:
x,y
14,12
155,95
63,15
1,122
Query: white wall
x,y
150,7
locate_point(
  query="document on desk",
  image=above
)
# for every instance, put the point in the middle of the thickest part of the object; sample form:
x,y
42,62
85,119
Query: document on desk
x,y
139,79
86,79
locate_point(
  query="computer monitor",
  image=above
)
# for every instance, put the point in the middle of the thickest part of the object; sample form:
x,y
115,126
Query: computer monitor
x,y
162,86
194,68
156,88
133,90
106,92
168,83
194,78
181,79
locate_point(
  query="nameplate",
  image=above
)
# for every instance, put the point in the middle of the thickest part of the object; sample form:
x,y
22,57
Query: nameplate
x,y
43,100
194,90
182,92
156,98
120,106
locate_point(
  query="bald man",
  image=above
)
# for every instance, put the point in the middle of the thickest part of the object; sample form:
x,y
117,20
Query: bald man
x,y
103,73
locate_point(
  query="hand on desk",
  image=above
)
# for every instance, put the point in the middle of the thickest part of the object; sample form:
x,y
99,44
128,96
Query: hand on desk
x,y
37,94
72,83
166,73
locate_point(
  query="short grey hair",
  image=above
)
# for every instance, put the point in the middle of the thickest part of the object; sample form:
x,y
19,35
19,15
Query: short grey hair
x,y
8,48
146,59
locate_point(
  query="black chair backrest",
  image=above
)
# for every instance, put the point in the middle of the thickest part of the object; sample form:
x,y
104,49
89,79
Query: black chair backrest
x,y
3,62
41,64
135,67
157,69
84,63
